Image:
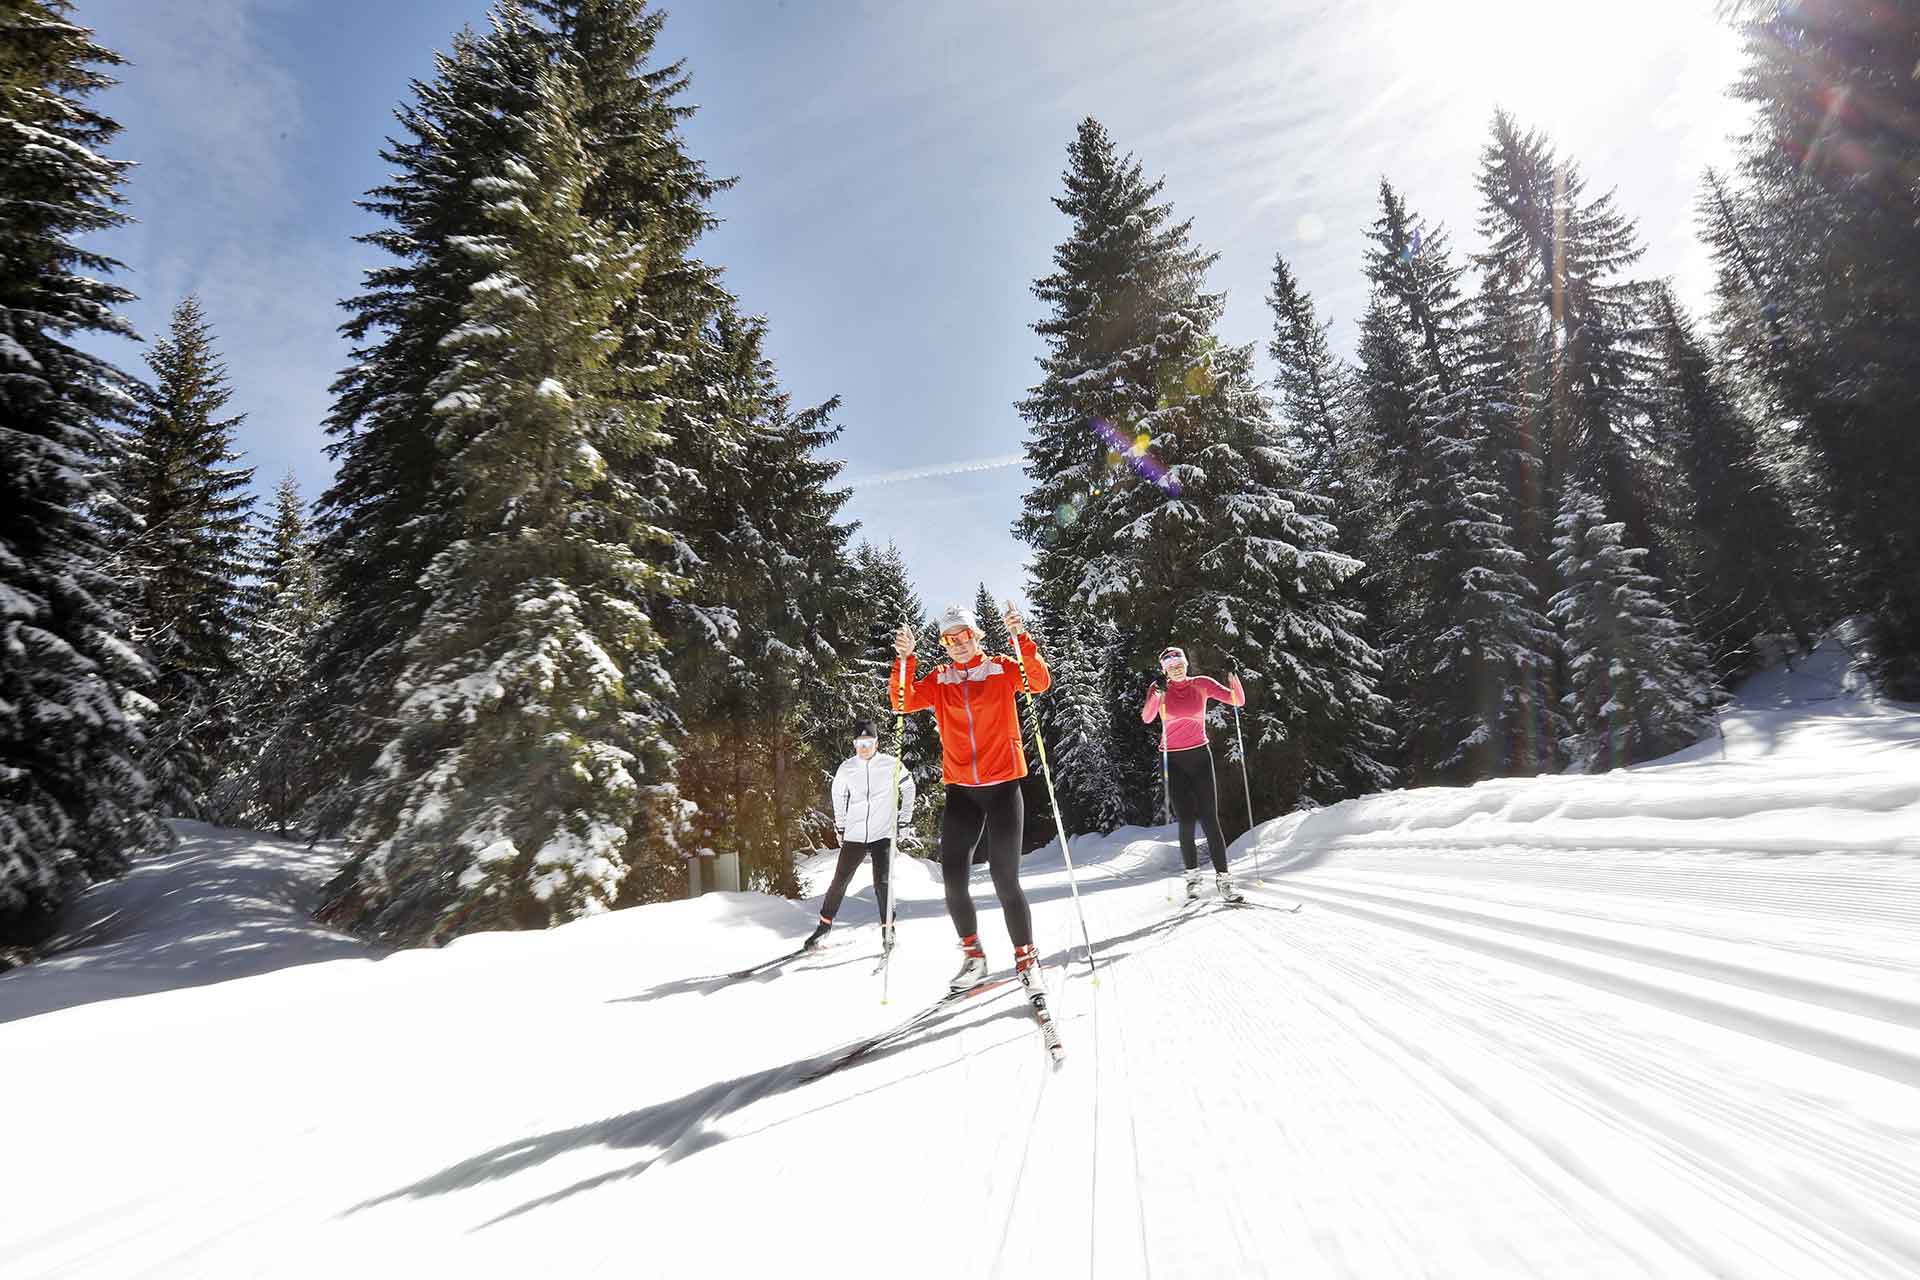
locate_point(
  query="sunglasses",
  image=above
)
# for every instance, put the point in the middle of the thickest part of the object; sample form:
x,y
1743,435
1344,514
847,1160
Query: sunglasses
x,y
953,638
1174,661
866,742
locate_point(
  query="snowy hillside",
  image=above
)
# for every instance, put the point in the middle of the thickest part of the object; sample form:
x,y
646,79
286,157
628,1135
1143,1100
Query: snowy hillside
x,y
1662,1022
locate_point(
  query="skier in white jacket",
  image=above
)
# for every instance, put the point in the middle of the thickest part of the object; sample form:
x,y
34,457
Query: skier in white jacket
x,y
864,817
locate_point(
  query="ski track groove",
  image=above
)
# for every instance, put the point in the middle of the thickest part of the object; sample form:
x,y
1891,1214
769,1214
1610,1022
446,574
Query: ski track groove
x,y
1762,1209
1762,1015
1703,1098
1533,1153
1843,996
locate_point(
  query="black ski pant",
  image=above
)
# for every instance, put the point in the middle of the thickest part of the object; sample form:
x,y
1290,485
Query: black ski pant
x,y
851,852
997,812
1196,800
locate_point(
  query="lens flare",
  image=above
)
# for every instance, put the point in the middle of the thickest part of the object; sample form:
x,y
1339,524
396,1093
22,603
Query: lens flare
x,y
1137,453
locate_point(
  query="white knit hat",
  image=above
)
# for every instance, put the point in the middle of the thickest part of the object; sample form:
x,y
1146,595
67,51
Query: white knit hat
x,y
957,616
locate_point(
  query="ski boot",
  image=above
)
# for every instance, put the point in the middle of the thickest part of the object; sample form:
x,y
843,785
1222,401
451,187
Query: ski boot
x,y
1193,886
813,939
1224,890
1026,963
973,965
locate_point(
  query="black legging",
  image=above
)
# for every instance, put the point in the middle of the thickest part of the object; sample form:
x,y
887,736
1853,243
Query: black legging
x,y
1195,799
850,854
997,811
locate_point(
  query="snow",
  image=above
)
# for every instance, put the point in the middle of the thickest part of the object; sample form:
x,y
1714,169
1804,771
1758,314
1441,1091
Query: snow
x,y
458,402
1661,1022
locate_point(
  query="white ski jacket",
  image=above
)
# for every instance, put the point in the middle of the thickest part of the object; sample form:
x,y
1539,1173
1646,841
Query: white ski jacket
x,y
863,798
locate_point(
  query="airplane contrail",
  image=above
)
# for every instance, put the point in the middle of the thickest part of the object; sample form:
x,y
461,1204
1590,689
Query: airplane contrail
x,y
929,473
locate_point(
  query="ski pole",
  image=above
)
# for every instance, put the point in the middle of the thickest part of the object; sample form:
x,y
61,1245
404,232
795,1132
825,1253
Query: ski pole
x,y
1059,823
886,908
1246,779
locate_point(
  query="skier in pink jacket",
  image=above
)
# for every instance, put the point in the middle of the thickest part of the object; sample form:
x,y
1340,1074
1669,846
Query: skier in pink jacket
x,y
1182,708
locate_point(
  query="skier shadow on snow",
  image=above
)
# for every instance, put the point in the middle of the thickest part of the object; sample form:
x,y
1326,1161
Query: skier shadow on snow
x,y
677,1128
708,984
684,1126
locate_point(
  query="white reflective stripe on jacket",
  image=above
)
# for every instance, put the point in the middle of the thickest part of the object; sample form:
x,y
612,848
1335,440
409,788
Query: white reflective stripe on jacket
x,y
863,798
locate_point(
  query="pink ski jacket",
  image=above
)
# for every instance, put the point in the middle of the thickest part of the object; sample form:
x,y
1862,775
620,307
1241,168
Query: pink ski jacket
x,y
1185,703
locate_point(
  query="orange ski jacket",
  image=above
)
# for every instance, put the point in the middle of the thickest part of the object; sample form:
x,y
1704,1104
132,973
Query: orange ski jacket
x,y
974,706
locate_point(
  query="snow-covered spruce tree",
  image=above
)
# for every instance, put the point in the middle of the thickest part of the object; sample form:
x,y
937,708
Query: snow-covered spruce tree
x,y
527,777
1321,415
993,626
880,577
1507,373
1127,317
1325,427
1081,727
74,805
1553,268
1820,280
1163,498
270,756
1775,379
1638,685
1241,568
1741,562
392,506
1473,654
721,411
184,543
768,714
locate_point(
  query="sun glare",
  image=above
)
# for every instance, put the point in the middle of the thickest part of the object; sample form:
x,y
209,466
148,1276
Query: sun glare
x,y
1548,61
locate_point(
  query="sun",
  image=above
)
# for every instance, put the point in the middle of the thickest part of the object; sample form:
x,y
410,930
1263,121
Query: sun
x,y
1547,61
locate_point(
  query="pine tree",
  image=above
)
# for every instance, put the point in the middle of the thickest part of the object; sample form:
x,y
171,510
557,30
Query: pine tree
x,y
769,708
1474,655
648,185
286,609
528,780
1081,728
1320,412
1742,562
392,507
1128,320
1553,271
184,541
994,637
1638,687
1163,496
1820,281
74,805
1128,323
880,574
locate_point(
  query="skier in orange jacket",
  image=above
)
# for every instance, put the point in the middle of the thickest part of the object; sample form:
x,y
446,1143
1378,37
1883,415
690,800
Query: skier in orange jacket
x,y
972,699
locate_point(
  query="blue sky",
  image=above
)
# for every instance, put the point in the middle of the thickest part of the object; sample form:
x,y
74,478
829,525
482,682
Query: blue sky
x,y
896,163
